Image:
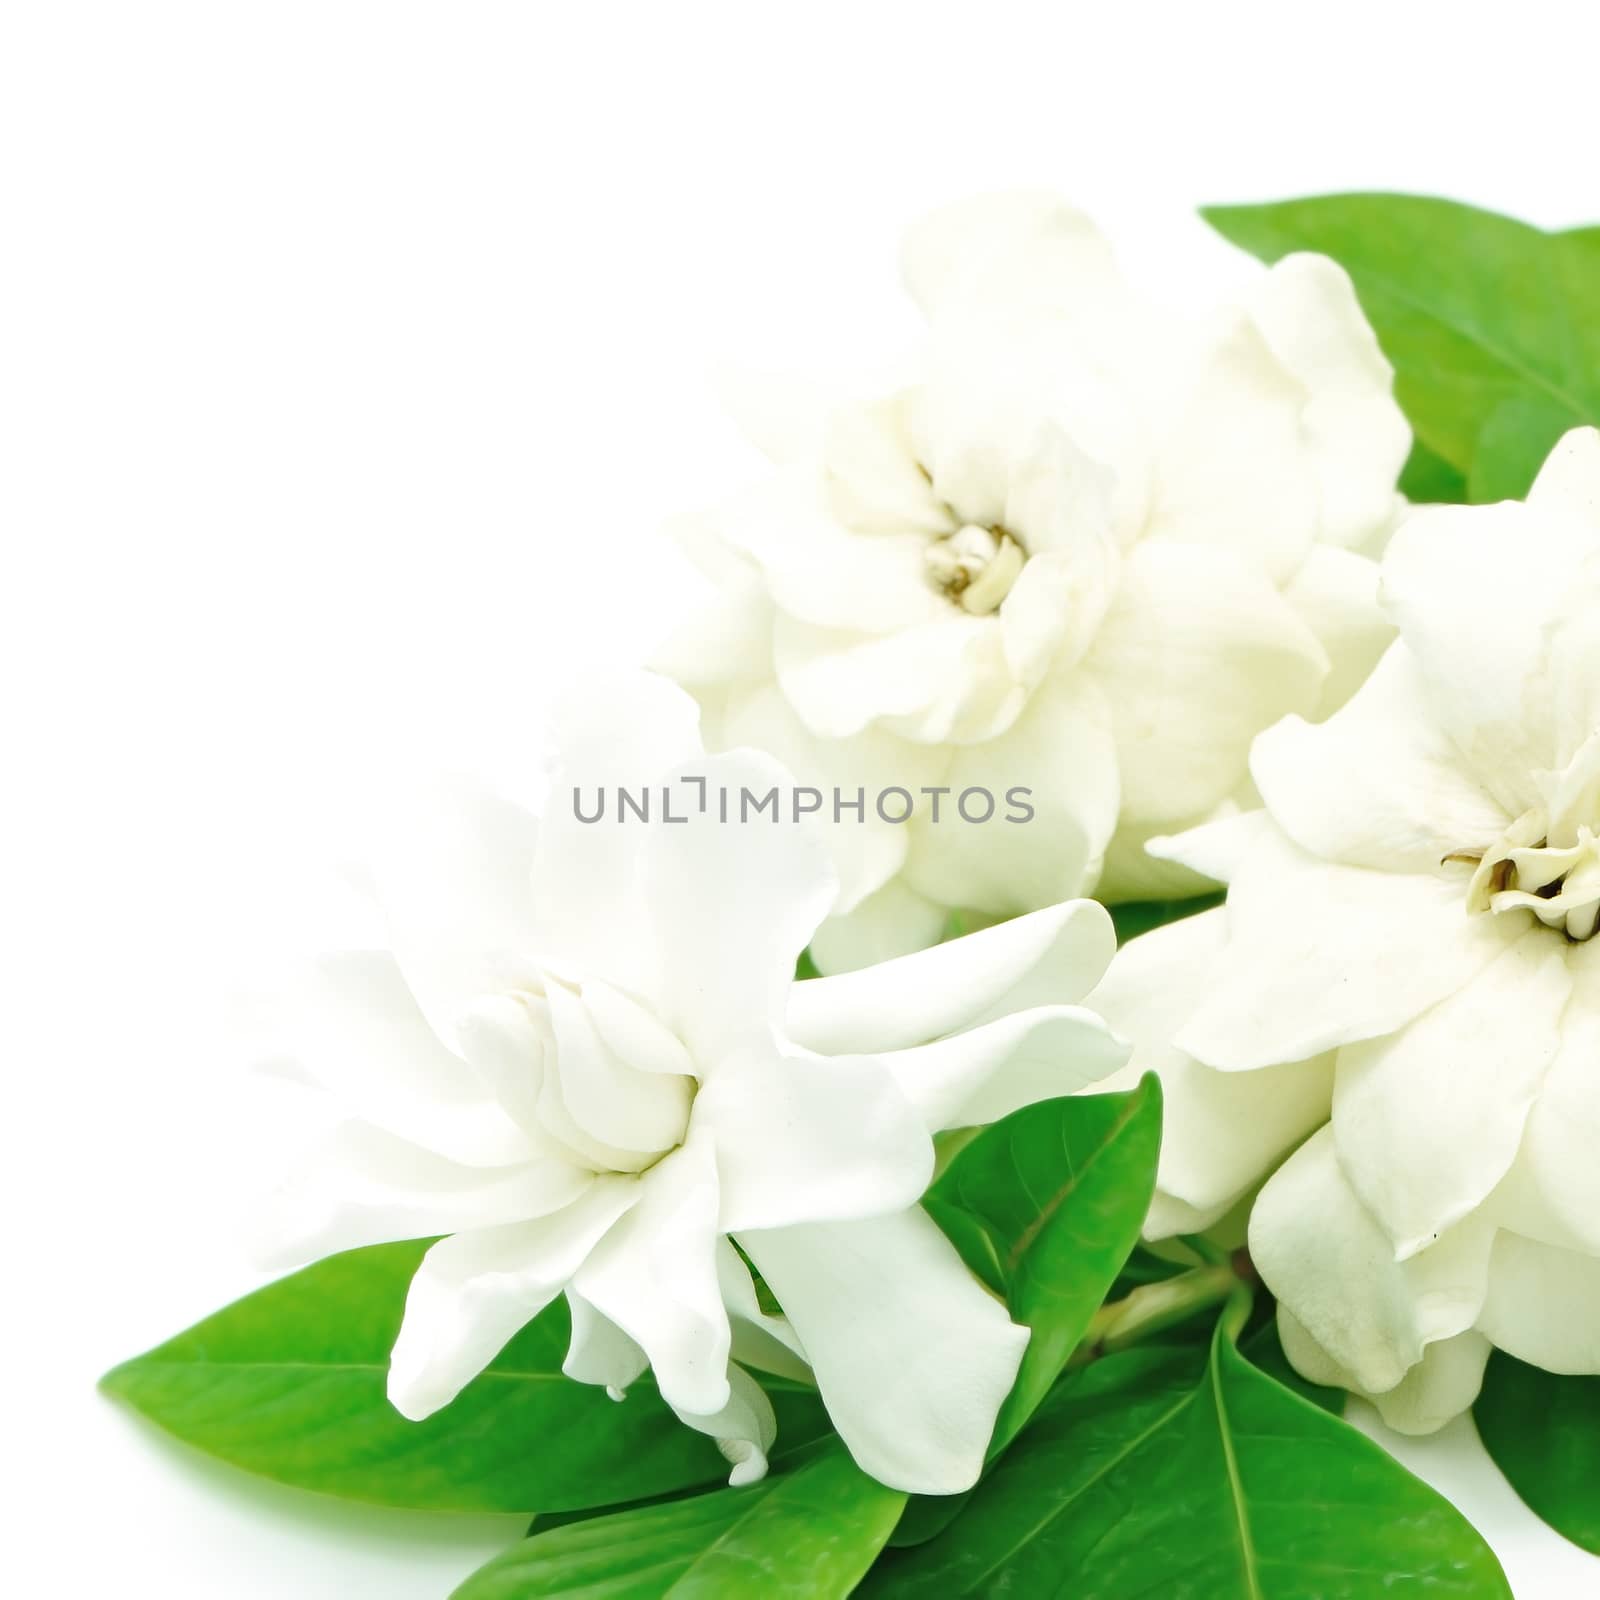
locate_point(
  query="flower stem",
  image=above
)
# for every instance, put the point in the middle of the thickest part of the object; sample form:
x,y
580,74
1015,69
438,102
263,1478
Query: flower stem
x,y
1152,1308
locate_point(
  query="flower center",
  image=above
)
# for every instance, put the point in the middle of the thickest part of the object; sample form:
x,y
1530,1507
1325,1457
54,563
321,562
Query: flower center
x,y
1525,870
975,567
610,1089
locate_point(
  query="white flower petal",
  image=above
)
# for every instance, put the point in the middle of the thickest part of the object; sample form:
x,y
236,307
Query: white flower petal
x,y
474,1290
1218,847
1008,408
1335,593
362,1186
1429,1118
760,1338
1552,1192
744,1428
732,904
454,874
639,1039
1044,621
1232,472
727,636
877,486
516,1056
1329,1262
820,571
943,679
1132,872
1568,484
893,921
609,1099
655,1276
1197,653
349,1024
1306,1356
1059,760
1053,956
811,1139
866,850
990,1071
1575,671
1377,784
1442,1385
1223,1131
1486,667
1059,504
1236,1127
1321,955
1543,1305
1353,435
629,731
599,1351
912,1355
1171,1218
1291,431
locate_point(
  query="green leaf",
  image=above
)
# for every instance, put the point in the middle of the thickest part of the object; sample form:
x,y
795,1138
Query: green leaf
x,y
1543,1431
1143,1267
1140,916
1427,479
1047,1205
1515,440
289,1383
1193,1476
1493,326
809,1532
925,1516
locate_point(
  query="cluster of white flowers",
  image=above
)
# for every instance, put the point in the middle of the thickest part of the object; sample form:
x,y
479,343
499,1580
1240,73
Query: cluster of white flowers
x,y
1085,548
586,1061
1089,554
1403,989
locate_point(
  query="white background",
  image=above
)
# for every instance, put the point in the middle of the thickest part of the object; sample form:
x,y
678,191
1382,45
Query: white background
x,y
350,358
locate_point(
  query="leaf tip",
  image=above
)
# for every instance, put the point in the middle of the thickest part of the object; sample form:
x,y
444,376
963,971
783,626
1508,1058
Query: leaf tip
x,y
115,1381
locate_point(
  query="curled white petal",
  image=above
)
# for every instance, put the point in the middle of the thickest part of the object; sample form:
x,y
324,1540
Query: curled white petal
x,y
1050,956
914,1376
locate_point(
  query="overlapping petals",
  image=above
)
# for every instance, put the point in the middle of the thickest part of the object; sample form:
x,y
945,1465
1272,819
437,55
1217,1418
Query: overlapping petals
x,y
587,1066
1406,977
1087,549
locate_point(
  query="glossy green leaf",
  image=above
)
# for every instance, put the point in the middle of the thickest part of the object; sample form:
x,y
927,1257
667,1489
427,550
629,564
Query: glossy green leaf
x,y
1515,440
1144,1266
1047,1205
1140,916
1191,1475
1493,326
925,1516
289,1383
808,1532
1428,479
1543,1431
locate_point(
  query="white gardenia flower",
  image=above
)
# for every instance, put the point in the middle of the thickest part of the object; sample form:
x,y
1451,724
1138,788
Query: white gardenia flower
x,y
586,1062
1088,549
1403,989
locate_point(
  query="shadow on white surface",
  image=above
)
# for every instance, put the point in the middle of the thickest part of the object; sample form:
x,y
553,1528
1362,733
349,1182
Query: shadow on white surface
x,y
1539,1563
231,1533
